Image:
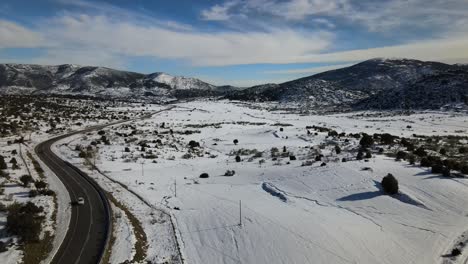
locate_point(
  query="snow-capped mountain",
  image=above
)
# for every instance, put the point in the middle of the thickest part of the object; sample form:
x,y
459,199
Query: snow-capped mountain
x,y
180,82
376,83
98,82
372,84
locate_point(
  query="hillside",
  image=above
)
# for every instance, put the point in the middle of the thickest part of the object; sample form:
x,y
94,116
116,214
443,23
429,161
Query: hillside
x,y
376,83
98,82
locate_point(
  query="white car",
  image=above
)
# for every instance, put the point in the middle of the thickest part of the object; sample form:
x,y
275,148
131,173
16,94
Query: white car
x,y
80,200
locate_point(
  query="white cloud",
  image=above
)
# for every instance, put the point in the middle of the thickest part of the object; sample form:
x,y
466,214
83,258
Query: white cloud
x,y
219,12
13,35
445,50
101,34
309,70
377,16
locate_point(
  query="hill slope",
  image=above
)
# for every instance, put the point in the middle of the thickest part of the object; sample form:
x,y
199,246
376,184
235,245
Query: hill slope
x,y
376,83
97,81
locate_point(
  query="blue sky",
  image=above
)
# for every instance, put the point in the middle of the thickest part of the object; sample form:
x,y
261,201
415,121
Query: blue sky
x,y
238,42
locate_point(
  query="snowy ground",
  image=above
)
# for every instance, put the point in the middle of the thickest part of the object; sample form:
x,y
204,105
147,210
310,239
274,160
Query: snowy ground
x,y
290,213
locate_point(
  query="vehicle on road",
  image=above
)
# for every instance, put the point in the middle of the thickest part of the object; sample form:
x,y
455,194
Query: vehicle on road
x,y
80,201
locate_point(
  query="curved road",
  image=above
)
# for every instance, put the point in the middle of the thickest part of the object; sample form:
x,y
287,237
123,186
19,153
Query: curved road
x,y
90,224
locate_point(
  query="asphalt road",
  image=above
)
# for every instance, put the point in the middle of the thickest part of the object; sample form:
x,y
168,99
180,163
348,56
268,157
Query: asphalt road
x,y
87,235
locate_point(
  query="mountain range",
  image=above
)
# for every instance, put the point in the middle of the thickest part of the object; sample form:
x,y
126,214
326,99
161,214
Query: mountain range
x,y
372,84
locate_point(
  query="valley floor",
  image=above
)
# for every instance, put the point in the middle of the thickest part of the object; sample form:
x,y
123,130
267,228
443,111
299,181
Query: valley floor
x,y
290,213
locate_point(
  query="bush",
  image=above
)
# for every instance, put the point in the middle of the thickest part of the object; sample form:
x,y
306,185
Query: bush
x,y
318,157
401,155
337,149
446,172
368,154
360,155
25,221
229,173
40,185
387,139
421,152
411,159
235,141
238,158
193,144
323,164
425,162
26,180
455,252
3,165
437,168
366,141
343,160
390,184
464,169
204,175
33,193
443,151
462,150
292,157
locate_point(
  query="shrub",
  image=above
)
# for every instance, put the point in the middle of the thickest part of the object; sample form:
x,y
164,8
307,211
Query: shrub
x,y
343,160
33,193
318,157
235,141
193,144
464,169
411,159
390,184
13,161
292,157
238,158
366,141
3,165
401,155
425,162
127,149
437,168
274,152
443,151
360,155
337,149
368,154
204,175
25,180
3,246
462,150
323,164
421,152
40,185
455,252
229,173
187,156
387,139
446,172
25,221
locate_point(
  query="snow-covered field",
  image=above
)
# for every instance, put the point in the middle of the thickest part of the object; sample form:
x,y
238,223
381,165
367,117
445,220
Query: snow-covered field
x,y
290,213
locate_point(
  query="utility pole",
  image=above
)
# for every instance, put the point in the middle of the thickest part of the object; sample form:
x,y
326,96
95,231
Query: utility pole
x,y
240,213
142,169
175,188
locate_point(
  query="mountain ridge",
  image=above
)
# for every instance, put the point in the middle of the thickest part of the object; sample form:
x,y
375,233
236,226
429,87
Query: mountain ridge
x,y
379,83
